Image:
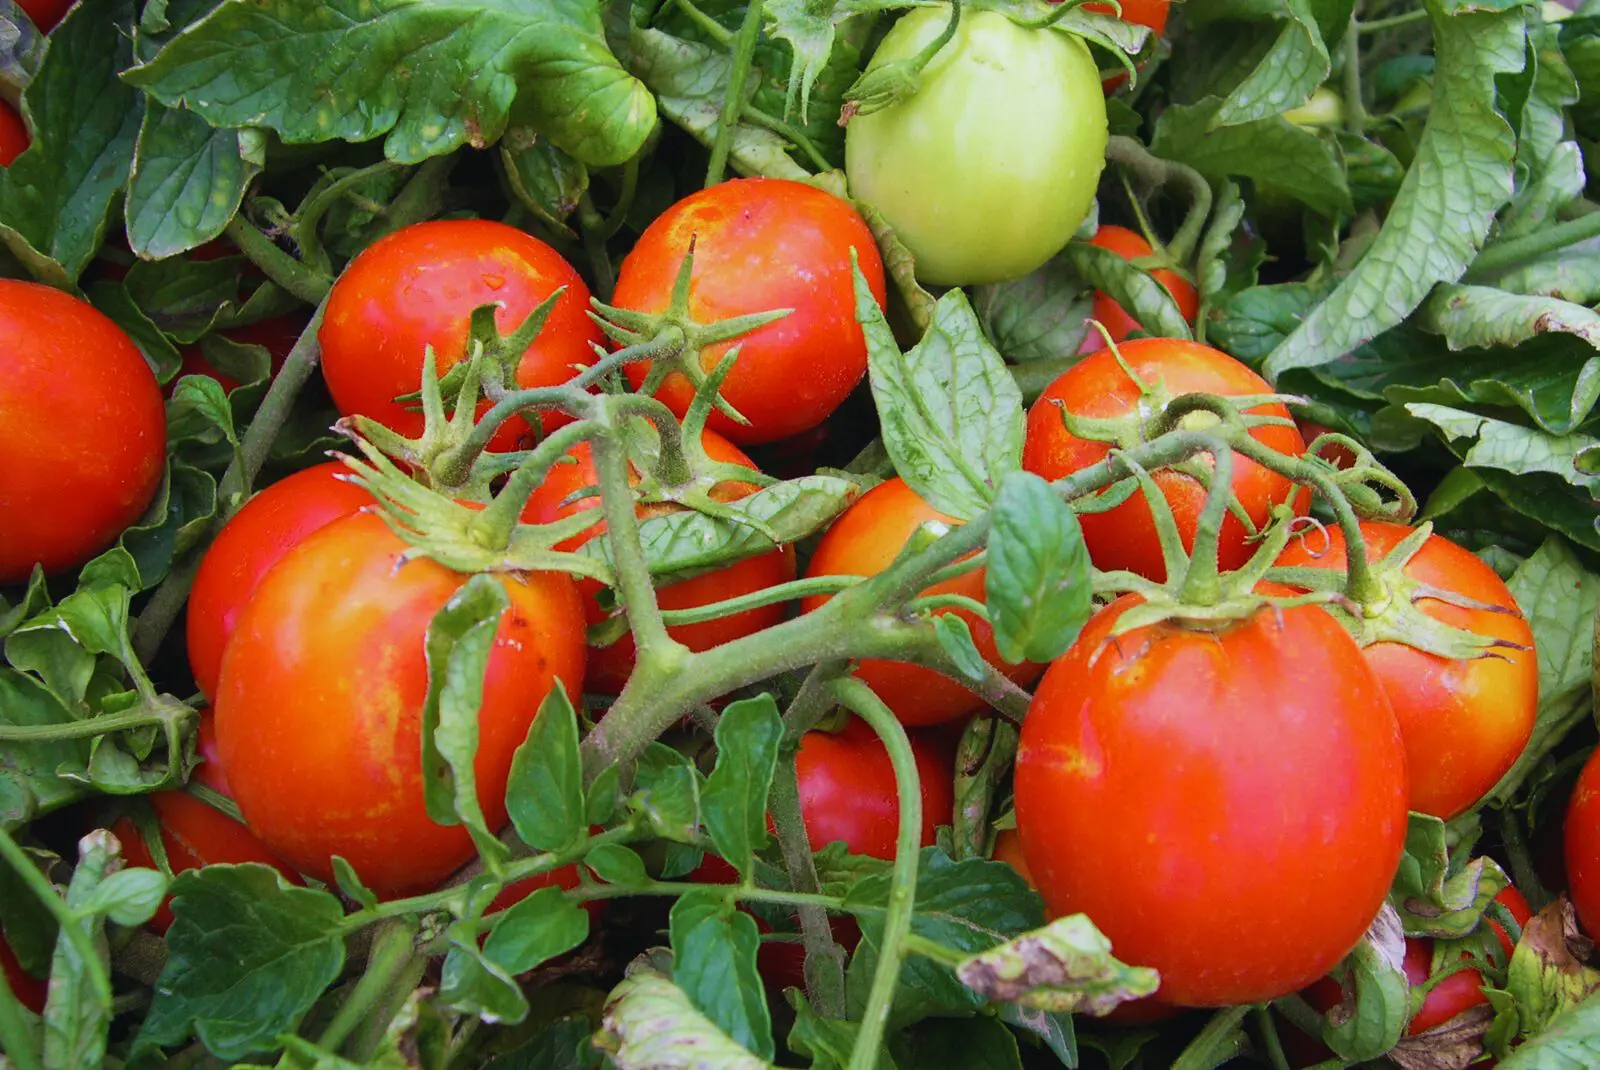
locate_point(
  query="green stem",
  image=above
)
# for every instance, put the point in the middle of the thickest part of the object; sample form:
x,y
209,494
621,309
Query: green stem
x,y
1217,1042
934,602
67,920
1355,111
744,893
1153,170
309,285
1269,1037
392,952
18,1040
903,883
371,1033
733,100
1419,15
234,487
707,25
783,592
932,949
1508,254
813,701
422,197
593,227
501,516
790,133
633,571
824,962
460,458
630,187
304,229
1201,583
85,729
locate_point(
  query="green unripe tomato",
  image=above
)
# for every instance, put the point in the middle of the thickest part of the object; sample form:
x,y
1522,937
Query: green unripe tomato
x,y
1325,108
990,167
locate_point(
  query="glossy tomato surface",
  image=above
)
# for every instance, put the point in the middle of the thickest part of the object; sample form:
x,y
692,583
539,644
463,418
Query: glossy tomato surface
x,y
319,710
269,526
1582,846
418,287
83,431
1228,806
863,542
611,665
1464,722
1130,245
13,134
193,833
762,244
847,789
989,168
1097,386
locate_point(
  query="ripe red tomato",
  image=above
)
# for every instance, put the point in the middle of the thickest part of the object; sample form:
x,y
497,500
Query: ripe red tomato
x,y
13,134
865,541
1464,722
610,666
320,703
29,990
847,789
1151,13
45,13
418,286
762,244
83,432
1227,804
194,834
1097,386
277,336
1130,245
1582,845
269,526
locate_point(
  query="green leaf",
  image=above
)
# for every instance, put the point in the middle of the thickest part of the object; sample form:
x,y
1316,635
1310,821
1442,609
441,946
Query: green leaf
x,y
617,864
827,1042
175,522
1037,575
1065,967
1055,1029
649,1024
1287,76
1272,151
29,784
955,638
535,930
714,962
430,74
1136,290
735,798
127,897
547,180
77,1017
545,792
248,956
1483,442
809,29
1570,1042
960,1044
470,984
187,181
1428,898
1375,1007
556,1048
1041,316
1570,274
113,299
838,870
1461,176
901,267
1546,978
1471,316
666,790
56,196
951,413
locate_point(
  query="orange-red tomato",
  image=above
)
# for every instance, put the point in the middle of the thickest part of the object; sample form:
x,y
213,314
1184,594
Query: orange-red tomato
x,y
277,336
610,666
193,833
1097,386
1464,722
762,244
1151,13
1228,804
319,709
1130,245
13,134
269,526
847,789
418,287
1582,845
865,541
29,990
83,432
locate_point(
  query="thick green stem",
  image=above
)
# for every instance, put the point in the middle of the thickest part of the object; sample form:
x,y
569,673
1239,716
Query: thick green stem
x,y
783,592
630,188
903,882
813,701
593,227
392,952
1508,254
1202,585
633,571
309,285
316,205
824,963
1355,111
458,461
1392,22
791,133
708,25
88,728
744,48
1269,1037
1153,170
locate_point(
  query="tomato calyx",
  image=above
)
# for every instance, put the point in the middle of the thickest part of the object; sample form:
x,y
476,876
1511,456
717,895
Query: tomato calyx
x,y
885,86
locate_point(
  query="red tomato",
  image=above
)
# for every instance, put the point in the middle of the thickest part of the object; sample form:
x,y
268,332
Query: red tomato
x,y
83,432
1097,386
269,526
610,666
193,833
1336,455
1151,13
865,541
762,244
277,336
13,134
1582,845
847,789
1130,245
45,13
29,990
1228,805
1464,722
319,710
418,286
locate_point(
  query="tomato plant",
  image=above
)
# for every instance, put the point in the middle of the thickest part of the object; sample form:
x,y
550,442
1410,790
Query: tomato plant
x,y
1237,895
73,484
29,990
1134,390
330,770
1130,245
13,134
1582,846
989,168
759,245
847,789
277,336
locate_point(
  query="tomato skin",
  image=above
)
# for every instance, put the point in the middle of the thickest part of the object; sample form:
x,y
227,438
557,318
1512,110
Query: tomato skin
x,y
418,286
193,833
29,990
1151,13
762,244
14,138
1130,245
610,666
1097,386
320,703
45,13
1464,722
847,789
83,432
277,336
1582,845
1153,783
863,542
988,169
271,524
